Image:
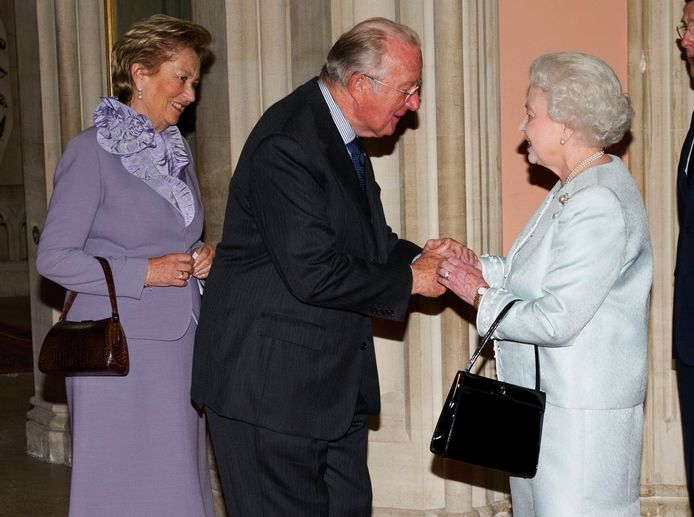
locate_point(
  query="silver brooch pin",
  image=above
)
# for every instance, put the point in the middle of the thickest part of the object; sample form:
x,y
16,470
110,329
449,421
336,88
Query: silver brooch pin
x,y
564,198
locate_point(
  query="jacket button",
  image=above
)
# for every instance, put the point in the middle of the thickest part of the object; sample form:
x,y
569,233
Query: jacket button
x,y
363,345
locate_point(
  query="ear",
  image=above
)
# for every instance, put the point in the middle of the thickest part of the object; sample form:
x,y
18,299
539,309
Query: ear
x,y
356,86
137,73
567,133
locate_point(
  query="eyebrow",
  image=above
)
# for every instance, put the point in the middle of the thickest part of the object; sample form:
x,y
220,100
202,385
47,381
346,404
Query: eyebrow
x,y
415,83
188,73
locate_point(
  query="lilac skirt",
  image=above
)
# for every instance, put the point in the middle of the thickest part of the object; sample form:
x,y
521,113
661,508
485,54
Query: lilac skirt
x,y
138,444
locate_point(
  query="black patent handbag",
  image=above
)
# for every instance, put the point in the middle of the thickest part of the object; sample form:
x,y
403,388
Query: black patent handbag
x,y
503,428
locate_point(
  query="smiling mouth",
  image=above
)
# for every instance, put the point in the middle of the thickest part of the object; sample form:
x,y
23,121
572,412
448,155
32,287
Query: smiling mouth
x,y
180,107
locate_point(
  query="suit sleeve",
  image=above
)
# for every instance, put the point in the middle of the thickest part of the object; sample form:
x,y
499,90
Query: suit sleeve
x,y
290,204
587,256
401,250
77,195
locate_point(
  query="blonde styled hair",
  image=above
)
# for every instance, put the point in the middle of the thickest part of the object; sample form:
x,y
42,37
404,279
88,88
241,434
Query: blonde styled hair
x,y
152,42
584,93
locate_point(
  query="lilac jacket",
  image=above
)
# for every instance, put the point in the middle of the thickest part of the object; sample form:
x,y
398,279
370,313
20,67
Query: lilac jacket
x,y
99,209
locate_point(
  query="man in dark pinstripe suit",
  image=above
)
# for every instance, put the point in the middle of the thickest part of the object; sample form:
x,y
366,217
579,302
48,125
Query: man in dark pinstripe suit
x,y
683,309
284,361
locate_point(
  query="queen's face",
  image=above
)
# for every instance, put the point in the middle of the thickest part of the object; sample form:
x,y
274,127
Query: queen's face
x,y
166,93
542,133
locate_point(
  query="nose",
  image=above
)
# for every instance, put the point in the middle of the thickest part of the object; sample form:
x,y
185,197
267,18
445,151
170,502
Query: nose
x,y
413,102
688,40
189,93
523,123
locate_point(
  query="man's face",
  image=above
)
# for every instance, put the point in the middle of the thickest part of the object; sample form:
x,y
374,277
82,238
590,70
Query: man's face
x,y
382,106
687,41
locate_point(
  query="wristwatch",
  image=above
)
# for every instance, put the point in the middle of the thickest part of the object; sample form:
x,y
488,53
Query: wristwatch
x,y
478,297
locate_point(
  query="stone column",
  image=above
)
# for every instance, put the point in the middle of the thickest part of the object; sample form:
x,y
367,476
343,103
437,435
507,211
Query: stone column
x,y
663,100
61,78
251,70
469,201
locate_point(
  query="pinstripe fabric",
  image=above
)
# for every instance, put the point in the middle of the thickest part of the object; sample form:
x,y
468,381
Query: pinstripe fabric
x,y
683,308
285,341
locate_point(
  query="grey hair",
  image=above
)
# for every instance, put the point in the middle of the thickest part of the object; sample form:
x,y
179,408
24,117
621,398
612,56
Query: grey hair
x,y
363,49
584,93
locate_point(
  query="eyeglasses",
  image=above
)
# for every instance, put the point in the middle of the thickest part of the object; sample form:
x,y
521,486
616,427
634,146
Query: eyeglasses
x,y
407,93
685,28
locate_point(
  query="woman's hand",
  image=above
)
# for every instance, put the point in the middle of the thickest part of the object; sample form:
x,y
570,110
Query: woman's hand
x,y
174,269
461,277
202,258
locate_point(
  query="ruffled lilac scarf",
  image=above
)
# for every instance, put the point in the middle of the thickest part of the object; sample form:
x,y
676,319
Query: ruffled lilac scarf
x,y
156,158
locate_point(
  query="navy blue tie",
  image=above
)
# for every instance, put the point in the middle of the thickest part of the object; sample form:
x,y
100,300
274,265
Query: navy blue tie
x,y
356,152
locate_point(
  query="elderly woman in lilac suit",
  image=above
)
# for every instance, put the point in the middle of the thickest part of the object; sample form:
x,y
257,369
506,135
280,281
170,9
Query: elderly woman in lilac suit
x,y
126,190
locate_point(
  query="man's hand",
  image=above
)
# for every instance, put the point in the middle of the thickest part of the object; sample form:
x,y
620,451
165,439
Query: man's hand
x,y
448,247
424,275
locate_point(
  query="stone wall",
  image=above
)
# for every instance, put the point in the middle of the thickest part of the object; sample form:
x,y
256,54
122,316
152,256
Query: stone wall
x,y
13,247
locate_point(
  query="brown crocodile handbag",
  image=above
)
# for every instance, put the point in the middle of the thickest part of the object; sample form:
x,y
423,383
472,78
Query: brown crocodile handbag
x,y
86,347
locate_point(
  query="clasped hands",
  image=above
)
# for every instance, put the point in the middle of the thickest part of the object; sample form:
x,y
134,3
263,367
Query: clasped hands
x,y
447,264
175,269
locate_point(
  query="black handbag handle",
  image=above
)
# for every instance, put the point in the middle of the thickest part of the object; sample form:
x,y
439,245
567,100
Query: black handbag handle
x,y
111,292
488,337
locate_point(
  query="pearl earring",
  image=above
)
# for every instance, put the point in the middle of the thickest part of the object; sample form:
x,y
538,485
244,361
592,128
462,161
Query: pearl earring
x,y
139,94
562,141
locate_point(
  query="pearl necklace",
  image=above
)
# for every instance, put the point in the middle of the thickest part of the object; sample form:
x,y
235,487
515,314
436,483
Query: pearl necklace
x,y
583,164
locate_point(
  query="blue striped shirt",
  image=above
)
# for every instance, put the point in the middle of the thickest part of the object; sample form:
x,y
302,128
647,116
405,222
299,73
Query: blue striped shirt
x,y
346,131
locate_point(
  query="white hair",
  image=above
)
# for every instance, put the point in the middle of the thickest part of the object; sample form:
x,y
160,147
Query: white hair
x,y
584,93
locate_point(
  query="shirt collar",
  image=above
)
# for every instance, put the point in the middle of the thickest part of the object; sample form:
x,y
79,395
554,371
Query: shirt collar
x,y
346,131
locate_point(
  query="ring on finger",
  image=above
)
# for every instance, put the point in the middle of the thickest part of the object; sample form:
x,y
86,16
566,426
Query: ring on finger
x,y
446,274
180,275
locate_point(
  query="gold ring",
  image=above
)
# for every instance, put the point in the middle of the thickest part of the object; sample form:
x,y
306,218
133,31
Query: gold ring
x,y
180,275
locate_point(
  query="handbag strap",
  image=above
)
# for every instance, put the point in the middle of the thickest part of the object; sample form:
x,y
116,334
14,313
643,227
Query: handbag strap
x,y
111,292
488,337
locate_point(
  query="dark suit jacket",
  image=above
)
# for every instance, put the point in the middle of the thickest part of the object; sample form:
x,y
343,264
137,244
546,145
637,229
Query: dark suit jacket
x,y
306,259
683,310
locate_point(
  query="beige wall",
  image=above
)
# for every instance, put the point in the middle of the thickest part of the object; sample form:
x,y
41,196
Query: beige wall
x,y
527,29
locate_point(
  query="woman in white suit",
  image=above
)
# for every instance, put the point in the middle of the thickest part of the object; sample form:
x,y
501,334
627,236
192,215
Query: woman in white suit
x,y
582,270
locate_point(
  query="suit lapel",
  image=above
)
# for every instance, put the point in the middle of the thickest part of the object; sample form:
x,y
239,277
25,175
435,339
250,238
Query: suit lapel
x,y
377,217
334,150
685,170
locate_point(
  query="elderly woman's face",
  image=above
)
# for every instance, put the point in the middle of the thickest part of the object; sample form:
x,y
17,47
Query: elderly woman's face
x,y
166,93
542,133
